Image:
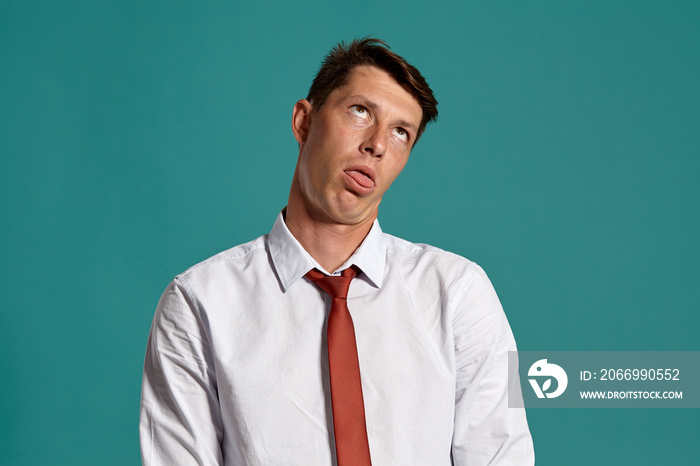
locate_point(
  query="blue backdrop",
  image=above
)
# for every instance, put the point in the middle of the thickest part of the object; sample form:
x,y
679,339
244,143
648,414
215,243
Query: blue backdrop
x,y
139,138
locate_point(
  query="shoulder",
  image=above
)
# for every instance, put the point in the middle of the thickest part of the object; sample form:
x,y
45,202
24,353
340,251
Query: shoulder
x,y
427,259
431,270
208,288
231,261
441,279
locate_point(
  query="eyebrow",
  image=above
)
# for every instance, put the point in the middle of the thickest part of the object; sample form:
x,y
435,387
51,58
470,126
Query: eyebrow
x,y
372,106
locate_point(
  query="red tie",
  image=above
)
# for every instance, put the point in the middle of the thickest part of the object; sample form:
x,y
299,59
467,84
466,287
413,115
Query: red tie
x,y
350,429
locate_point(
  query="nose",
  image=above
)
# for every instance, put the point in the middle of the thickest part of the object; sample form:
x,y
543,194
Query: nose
x,y
374,142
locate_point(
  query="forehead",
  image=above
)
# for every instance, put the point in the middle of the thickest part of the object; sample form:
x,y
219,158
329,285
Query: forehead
x,y
380,89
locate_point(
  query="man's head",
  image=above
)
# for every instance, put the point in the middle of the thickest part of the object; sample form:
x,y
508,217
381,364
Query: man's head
x,y
355,134
343,58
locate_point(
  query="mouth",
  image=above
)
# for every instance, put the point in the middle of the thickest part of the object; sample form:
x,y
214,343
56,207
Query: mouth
x,y
361,178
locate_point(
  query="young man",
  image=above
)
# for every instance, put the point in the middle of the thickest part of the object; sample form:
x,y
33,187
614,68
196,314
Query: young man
x,y
328,341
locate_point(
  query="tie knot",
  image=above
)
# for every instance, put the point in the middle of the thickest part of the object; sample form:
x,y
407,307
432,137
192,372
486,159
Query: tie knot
x,y
336,286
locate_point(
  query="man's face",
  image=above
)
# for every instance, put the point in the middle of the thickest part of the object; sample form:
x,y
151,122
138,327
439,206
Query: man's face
x,y
354,147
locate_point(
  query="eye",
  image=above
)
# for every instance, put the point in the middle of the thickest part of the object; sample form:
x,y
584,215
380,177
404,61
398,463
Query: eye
x,y
402,134
359,110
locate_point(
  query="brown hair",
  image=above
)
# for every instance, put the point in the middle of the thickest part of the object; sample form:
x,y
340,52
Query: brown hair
x,y
343,58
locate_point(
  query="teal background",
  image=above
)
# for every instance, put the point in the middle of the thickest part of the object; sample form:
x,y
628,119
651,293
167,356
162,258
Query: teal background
x,y
139,138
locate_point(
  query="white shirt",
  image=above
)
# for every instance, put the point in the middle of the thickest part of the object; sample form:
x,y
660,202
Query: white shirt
x,y
236,369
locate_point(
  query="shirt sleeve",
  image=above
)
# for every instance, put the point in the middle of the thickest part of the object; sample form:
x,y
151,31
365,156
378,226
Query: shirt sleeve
x,y
486,430
180,417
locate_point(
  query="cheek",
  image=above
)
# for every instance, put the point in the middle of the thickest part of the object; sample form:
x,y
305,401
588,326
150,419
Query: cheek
x,y
315,168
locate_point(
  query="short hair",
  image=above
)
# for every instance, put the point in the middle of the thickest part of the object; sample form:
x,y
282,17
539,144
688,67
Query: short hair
x,y
343,58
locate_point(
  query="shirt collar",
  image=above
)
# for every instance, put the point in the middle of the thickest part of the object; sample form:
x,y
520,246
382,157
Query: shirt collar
x,y
291,261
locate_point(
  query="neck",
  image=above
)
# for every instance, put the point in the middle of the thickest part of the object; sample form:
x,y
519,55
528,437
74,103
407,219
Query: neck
x,y
328,242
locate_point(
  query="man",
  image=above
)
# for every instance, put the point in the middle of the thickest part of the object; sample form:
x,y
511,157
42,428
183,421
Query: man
x,y
257,357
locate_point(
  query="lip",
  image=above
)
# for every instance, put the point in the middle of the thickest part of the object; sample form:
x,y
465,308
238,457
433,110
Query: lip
x,y
360,179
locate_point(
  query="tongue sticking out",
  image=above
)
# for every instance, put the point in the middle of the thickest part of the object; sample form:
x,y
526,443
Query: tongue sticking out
x,y
361,179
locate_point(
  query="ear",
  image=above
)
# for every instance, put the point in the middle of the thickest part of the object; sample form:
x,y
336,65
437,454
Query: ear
x,y
301,117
